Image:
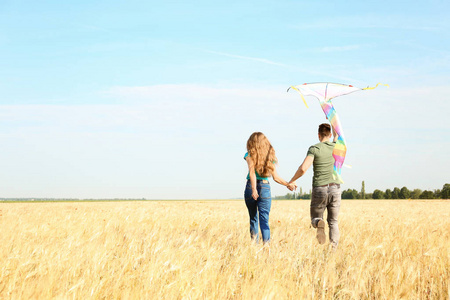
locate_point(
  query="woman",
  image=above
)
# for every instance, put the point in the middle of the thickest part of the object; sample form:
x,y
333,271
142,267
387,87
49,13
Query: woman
x,y
261,162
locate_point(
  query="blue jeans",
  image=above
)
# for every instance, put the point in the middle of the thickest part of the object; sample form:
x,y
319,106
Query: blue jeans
x,y
261,206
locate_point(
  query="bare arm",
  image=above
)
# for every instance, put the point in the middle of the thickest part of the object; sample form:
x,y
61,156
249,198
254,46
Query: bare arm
x,y
303,168
278,179
335,135
251,172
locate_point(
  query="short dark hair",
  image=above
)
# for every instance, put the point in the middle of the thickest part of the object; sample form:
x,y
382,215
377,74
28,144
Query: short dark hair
x,y
324,129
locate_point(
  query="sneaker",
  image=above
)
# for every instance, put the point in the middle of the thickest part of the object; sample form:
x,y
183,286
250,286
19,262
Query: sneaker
x,y
321,232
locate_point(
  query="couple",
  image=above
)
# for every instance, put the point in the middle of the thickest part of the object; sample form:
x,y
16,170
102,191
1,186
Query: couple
x,y
326,192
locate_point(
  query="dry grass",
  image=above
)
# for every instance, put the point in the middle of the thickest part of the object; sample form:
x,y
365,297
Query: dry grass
x,y
201,250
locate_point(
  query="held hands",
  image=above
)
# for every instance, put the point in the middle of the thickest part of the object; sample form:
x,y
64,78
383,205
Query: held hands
x,y
292,186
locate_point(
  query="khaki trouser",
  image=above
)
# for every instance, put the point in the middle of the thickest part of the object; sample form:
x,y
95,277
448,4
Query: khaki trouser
x,y
329,197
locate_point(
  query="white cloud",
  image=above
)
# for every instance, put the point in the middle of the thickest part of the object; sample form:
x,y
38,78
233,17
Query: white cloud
x,y
90,27
340,48
290,67
368,21
257,59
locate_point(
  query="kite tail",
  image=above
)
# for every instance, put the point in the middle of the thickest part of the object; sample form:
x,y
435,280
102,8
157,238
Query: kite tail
x,y
303,98
340,149
371,88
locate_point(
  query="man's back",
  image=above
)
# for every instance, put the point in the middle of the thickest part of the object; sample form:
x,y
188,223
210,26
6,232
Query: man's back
x,y
323,163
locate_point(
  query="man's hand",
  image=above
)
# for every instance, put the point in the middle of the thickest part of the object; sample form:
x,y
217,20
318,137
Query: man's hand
x,y
292,186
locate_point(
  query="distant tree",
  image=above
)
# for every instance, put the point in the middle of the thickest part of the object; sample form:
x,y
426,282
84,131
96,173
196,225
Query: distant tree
x,y
437,194
369,196
350,194
427,195
404,193
377,194
445,193
415,194
388,194
363,190
305,196
288,196
345,194
396,193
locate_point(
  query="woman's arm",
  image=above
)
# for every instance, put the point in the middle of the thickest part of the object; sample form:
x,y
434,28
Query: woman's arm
x,y
251,172
279,180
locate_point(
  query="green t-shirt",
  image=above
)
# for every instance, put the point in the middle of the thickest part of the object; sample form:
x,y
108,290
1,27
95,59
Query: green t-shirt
x,y
256,173
323,163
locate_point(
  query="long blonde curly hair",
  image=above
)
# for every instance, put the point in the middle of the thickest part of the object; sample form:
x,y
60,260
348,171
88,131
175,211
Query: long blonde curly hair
x,y
262,154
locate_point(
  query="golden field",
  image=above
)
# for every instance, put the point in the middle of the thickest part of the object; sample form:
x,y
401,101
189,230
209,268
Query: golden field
x,y
202,250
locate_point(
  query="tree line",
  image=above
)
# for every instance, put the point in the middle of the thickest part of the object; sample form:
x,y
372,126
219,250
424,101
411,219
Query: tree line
x,y
396,193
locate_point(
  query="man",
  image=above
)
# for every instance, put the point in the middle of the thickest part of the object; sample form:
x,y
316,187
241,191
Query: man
x,y
326,192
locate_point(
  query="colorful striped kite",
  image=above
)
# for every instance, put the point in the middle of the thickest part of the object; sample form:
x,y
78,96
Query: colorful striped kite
x,y
324,92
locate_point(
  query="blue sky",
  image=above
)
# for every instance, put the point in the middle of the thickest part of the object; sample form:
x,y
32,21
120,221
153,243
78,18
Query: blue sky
x,y
153,99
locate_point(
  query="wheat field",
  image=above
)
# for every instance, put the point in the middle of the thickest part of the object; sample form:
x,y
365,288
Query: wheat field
x,y
202,250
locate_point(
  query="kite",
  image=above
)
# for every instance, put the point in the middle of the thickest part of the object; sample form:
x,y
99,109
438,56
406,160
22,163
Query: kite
x,y
324,92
